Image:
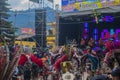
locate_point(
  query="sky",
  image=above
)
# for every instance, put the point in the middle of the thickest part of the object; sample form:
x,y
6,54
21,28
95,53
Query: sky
x,y
24,4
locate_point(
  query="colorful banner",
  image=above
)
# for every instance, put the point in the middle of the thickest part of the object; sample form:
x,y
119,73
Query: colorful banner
x,y
111,3
66,2
87,6
69,8
74,6
79,6
28,31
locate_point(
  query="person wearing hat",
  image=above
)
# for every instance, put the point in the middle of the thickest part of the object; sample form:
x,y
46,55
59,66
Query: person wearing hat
x,y
82,45
91,43
88,47
116,70
116,73
27,71
91,55
91,59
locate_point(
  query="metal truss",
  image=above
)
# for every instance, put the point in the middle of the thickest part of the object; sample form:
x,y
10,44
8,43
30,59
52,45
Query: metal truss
x,y
42,5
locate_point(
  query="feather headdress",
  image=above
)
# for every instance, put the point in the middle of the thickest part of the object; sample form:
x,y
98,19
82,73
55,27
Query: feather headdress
x,y
59,61
111,45
23,60
36,60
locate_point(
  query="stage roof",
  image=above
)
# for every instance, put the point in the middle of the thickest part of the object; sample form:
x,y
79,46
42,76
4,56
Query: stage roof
x,y
111,9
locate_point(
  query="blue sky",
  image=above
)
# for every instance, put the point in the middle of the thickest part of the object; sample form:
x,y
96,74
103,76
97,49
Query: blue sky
x,y
23,4
25,18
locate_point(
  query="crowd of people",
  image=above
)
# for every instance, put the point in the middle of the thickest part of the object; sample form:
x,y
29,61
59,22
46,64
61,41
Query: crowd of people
x,y
86,60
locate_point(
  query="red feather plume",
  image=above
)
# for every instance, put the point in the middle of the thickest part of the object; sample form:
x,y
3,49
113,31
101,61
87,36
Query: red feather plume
x,y
23,60
59,61
36,60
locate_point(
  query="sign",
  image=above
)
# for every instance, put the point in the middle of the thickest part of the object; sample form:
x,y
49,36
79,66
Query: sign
x,y
52,39
80,5
68,8
68,76
87,5
110,3
51,24
26,43
28,31
66,2
70,5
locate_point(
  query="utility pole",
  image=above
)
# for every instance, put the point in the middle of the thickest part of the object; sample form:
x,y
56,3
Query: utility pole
x,y
57,24
15,19
14,26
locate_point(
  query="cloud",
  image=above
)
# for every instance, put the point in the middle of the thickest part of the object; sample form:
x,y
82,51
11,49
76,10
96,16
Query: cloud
x,y
18,4
24,4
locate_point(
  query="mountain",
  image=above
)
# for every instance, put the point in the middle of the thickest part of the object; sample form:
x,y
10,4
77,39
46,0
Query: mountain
x,y
26,19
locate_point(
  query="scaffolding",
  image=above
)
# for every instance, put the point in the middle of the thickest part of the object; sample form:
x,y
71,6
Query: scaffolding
x,y
41,5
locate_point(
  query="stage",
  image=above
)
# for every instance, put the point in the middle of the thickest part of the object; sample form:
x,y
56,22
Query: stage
x,y
85,26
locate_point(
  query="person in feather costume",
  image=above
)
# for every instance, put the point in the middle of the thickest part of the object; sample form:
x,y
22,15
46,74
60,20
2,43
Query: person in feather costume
x,y
59,61
90,57
36,60
112,58
111,46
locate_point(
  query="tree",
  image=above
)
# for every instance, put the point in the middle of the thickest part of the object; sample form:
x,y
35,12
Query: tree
x,y
6,29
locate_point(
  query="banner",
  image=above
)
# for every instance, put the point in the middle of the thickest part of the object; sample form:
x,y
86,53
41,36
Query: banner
x,y
82,5
69,8
28,31
67,2
87,6
110,3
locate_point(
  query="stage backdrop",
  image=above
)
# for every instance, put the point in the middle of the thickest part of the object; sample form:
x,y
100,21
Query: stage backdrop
x,y
77,27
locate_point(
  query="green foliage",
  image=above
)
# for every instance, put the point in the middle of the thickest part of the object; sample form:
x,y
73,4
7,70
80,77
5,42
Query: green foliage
x,y
5,25
4,9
